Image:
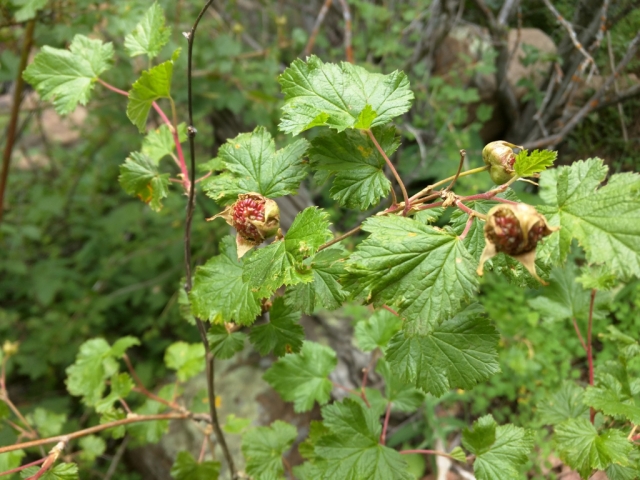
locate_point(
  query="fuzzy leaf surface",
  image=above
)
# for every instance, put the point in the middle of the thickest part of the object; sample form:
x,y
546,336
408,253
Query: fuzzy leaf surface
x,y
528,163
500,451
282,334
67,76
252,164
139,176
302,378
150,35
340,96
458,353
263,448
605,220
219,293
426,273
357,165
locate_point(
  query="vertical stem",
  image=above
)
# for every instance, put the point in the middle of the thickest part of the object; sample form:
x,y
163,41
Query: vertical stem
x,y
407,205
15,112
590,347
210,365
385,426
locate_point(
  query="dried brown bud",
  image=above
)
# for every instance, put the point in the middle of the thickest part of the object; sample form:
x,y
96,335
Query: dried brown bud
x,y
516,231
255,218
499,156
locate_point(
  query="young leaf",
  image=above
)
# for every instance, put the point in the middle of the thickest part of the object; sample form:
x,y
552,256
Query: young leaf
x,y
609,396
123,344
139,176
92,447
500,450
28,10
112,416
358,167
62,471
121,384
282,334
425,272
351,449
67,76
340,96
528,163
566,403
376,331
403,397
186,468
458,454
152,85
302,378
219,293
605,221
253,164
187,359
459,352
47,423
235,424
150,35
325,290
223,343
159,143
94,364
281,262
151,432
583,449
263,448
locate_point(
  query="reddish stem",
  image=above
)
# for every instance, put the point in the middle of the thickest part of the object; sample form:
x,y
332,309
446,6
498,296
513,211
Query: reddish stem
x,y
580,337
23,467
389,309
590,347
143,390
385,425
467,227
488,196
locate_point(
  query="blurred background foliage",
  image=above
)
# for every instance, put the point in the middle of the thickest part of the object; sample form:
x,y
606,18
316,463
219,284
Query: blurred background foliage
x,y
79,258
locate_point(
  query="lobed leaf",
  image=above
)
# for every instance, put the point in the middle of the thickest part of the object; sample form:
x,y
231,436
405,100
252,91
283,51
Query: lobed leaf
x,y
263,448
224,344
282,334
528,163
150,35
187,468
152,85
186,359
139,176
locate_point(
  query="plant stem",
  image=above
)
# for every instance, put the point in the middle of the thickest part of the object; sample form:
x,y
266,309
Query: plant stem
x,y
385,425
15,112
340,238
468,211
467,227
143,390
389,309
50,459
23,467
463,156
449,179
590,347
428,452
191,133
580,337
407,204
98,428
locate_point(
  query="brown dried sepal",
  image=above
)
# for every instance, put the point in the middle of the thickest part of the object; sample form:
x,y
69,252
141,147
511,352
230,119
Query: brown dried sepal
x,y
515,230
254,217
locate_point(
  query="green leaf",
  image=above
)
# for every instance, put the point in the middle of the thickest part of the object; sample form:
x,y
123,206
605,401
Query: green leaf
x,y
460,352
325,290
403,397
139,176
28,9
351,449
48,424
112,416
223,343
150,35
528,163
583,449
340,96
121,384
67,76
219,293
186,468
564,404
159,143
376,331
152,431
152,85
62,471
253,164
92,447
628,346
500,450
11,460
425,272
280,263
302,378
94,364
609,396
565,299
597,277
358,167
630,472
123,344
281,334
263,448
235,424
458,454
187,359
605,221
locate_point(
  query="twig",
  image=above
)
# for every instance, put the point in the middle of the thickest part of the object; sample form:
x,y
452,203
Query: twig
x,y
385,425
590,346
407,205
316,27
116,458
51,459
287,465
210,365
340,237
468,210
15,112
142,389
623,126
580,337
442,182
391,310
467,227
24,467
346,13
463,157
572,34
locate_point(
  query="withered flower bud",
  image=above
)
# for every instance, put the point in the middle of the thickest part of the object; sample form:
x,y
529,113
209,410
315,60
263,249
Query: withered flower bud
x,y
516,231
254,217
499,156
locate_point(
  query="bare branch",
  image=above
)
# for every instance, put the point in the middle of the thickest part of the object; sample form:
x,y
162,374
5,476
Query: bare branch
x,y
346,13
625,135
316,27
